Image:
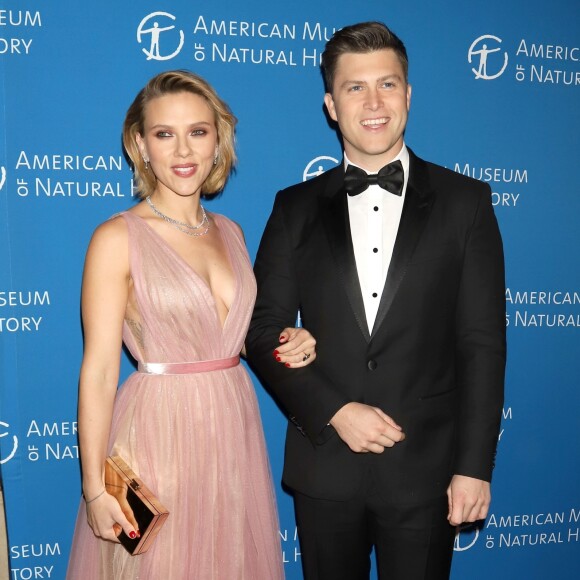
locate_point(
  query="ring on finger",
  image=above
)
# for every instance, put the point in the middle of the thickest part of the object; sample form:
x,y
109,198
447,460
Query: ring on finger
x,y
305,357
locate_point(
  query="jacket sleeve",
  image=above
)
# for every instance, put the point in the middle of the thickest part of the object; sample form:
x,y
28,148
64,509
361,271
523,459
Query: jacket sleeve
x,y
306,394
481,344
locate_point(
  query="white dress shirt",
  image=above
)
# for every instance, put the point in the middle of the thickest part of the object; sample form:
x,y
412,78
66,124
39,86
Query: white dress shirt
x,y
374,216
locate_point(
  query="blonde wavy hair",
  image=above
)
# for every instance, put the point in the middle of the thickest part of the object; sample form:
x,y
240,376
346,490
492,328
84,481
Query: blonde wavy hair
x,y
172,82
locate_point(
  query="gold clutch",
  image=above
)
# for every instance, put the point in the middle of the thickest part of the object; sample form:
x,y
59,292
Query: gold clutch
x,y
139,505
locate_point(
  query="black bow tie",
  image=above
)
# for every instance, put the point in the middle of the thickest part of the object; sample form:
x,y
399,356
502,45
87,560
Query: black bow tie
x,y
390,177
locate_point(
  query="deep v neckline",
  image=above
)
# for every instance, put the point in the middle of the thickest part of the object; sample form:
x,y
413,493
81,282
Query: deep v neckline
x,y
191,269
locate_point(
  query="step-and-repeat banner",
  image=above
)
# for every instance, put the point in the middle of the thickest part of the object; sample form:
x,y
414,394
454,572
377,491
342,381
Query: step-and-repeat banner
x,y
496,95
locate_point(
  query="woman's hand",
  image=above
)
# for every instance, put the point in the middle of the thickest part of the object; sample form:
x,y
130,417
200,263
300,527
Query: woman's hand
x,y
296,349
107,519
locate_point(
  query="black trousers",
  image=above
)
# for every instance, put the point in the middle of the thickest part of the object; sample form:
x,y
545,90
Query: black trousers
x,y
411,541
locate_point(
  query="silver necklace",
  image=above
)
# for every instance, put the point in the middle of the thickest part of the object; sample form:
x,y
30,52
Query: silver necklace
x,y
182,226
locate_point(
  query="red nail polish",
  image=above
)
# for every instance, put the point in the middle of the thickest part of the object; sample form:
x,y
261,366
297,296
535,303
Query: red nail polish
x,y
276,353
278,359
132,535
287,364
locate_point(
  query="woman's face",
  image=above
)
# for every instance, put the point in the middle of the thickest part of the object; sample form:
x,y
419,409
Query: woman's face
x,y
180,142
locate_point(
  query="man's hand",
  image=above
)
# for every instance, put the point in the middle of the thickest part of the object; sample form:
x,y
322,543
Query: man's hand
x,y
468,498
364,428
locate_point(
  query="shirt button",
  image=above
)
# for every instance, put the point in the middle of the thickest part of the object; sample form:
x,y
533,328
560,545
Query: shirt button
x,y
375,250
372,365
376,208
375,294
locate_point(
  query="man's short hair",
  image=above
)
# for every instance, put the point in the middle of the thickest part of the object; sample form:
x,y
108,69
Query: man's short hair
x,y
360,38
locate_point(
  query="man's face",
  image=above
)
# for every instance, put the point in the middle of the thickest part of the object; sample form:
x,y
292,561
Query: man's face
x,y
370,101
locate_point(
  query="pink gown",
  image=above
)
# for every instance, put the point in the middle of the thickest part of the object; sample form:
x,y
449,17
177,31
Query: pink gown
x,y
195,439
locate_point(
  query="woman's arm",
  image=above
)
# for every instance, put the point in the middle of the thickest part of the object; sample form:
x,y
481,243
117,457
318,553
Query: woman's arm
x,y
105,293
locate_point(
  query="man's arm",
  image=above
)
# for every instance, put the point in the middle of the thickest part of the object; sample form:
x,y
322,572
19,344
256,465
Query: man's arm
x,y
481,353
307,394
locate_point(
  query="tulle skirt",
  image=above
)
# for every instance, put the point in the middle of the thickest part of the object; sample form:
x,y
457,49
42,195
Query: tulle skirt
x,y
197,442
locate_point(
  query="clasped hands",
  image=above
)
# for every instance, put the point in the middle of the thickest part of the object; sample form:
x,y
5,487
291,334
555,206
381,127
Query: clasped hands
x,y
366,429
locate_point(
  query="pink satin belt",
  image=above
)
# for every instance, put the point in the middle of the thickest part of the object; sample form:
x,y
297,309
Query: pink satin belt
x,y
188,368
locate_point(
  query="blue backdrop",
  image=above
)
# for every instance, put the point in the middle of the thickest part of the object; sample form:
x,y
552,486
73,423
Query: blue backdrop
x,y
495,95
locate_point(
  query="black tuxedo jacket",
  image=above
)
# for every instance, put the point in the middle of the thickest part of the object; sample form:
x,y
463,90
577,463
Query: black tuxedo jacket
x,y
435,359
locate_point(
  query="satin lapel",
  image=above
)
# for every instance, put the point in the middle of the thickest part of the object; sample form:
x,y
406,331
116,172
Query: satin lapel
x,y
334,211
416,210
